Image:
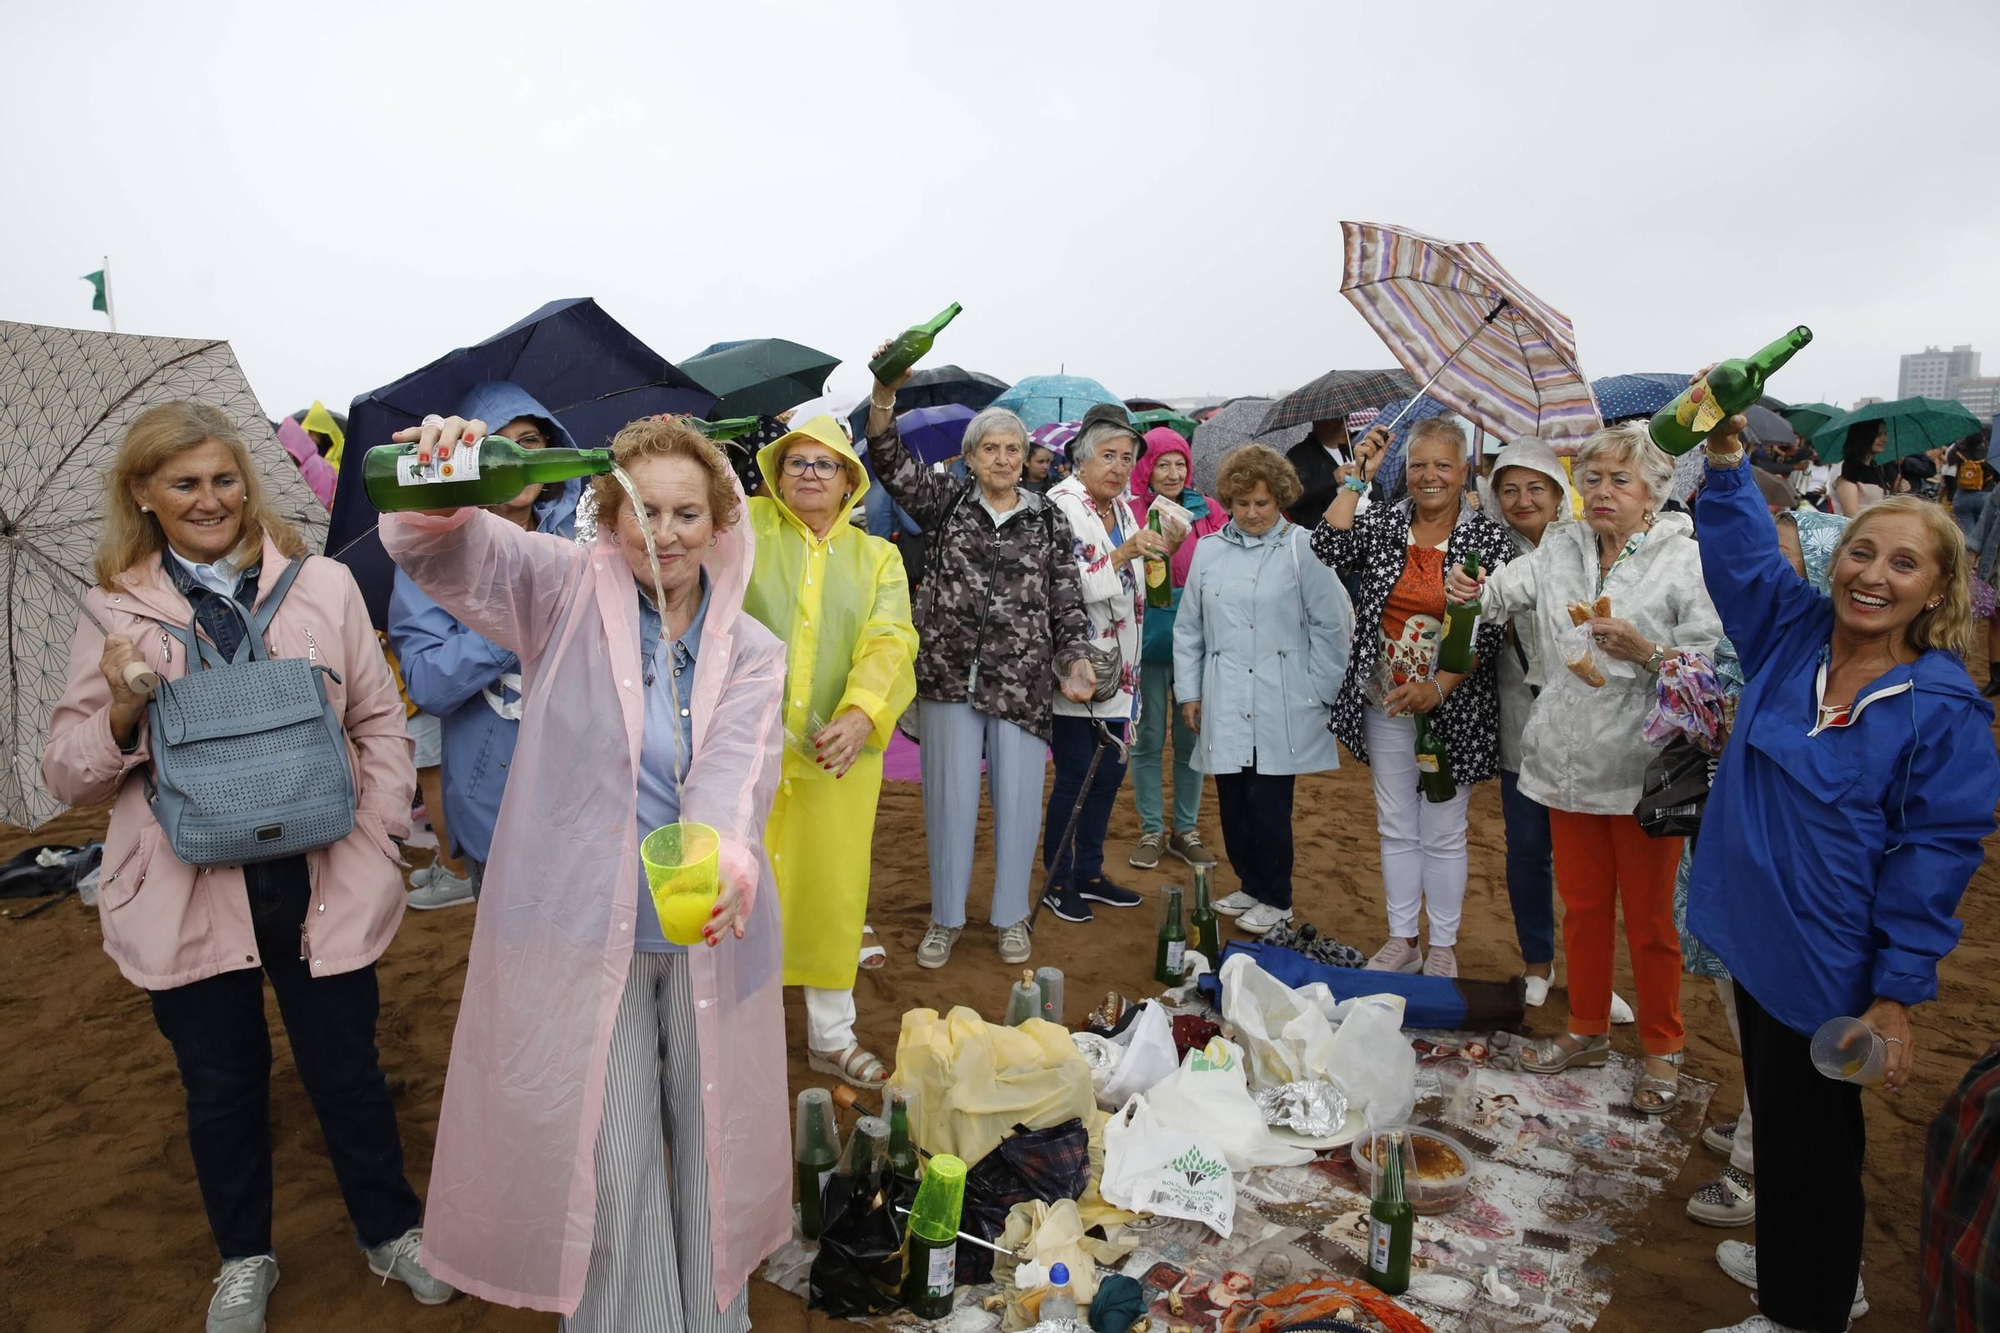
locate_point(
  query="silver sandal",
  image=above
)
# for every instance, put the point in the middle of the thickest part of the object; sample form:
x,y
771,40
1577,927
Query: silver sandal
x,y
1550,1056
1665,1092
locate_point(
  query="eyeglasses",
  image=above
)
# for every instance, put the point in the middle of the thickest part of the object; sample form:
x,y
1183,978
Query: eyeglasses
x,y
534,439
823,468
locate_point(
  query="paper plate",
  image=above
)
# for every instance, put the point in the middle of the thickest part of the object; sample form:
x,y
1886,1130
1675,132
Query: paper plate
x,y
1350,1130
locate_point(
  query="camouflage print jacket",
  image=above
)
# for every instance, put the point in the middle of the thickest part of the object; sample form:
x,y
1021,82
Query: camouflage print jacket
x,y
1000,612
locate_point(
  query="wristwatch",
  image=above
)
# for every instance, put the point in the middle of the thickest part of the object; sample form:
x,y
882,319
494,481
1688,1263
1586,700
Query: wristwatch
x,y
1659,657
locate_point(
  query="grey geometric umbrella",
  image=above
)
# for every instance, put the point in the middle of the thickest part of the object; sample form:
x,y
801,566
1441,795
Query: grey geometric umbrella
x,y
66,397
1237,423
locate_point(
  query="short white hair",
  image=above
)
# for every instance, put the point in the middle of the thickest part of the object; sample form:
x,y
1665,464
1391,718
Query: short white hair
x,y
1630,444
992,421
1084,447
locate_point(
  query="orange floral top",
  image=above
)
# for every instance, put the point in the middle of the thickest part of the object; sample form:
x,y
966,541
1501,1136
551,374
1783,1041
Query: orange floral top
x,y
1412,621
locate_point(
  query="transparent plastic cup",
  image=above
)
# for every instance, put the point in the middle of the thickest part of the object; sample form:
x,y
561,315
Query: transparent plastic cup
x,y
1847,1049
680,862
1458,1084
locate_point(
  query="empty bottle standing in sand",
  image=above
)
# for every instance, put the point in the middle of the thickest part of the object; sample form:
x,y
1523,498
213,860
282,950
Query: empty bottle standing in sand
x,y
1172,942
900,1110
1049,980
816,1153
1024,1000
930,1245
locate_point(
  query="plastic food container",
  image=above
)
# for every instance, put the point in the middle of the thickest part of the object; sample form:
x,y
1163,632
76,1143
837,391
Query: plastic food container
x,y
1437,1168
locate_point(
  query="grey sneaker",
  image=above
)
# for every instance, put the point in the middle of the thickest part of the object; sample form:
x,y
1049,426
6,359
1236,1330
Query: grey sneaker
x,y
1147,854
423,875
1188,847
1015,946
241,1292
935,950
398,1260
444,889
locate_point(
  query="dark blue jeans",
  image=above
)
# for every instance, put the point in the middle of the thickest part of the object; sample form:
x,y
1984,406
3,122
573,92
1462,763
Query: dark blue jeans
x,y
1530,871
223,1048
1073,739
1256,811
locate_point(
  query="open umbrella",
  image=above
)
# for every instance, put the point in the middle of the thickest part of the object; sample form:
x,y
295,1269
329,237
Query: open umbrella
x,y
1623,397
934,434
1336,394
1482,343
1915,425
759,377
577,361
1041,399
66,397
1766,426
1807,418
1165,416
934,386
1137,405
1232,425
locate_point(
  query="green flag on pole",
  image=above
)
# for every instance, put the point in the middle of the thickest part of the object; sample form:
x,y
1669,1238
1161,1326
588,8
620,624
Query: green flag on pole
x,y
96,280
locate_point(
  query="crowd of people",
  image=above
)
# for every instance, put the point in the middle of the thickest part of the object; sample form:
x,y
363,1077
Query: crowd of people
x,y
579,667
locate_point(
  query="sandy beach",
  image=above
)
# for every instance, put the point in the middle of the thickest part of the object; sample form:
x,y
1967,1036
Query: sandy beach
x,y
103,1229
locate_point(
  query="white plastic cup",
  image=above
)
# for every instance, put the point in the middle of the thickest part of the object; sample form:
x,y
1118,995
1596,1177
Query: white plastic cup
x,y
1848,1051
1458,1084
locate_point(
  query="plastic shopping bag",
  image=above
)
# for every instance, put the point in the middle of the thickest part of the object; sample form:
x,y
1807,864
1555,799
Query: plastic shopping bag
x,y
1209,1095
1580,655
976,1081
1286,1038
1374,1061
1150,1168
1150,1056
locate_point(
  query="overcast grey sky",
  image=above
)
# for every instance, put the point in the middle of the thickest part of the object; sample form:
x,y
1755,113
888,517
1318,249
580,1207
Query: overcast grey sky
x,y
1149,193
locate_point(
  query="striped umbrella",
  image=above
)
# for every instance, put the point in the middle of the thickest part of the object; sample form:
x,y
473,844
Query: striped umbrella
x,y
1335,394
1482,343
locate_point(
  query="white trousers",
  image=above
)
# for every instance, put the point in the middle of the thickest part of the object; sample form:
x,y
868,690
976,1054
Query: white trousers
x,y
1743,1156
829,1019
1423,843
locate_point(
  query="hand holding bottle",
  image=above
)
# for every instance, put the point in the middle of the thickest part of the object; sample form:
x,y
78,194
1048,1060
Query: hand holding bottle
x,y
1413,697
1460,587
888,390
437,437
1139,545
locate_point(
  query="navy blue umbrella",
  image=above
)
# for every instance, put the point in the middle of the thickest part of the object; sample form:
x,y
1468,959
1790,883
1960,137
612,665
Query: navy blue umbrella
x,y
1621,397
933,386
577,361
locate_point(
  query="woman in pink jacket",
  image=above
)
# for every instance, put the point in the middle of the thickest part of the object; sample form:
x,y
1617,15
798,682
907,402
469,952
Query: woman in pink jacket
x,y
185,534
1167,468
591,1054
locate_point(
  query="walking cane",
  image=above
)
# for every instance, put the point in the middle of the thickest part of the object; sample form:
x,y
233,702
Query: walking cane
x,y
1106,741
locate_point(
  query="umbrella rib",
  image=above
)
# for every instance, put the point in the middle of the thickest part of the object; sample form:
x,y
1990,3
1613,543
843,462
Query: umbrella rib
x,y
106,415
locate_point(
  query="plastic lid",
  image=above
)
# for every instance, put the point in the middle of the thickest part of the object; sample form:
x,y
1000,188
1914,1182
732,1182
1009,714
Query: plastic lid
x,y
1059,1275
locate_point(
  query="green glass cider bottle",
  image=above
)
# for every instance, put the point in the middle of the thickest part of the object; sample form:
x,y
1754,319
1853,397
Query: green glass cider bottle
x,y
1159,587
1172,941
815,1153
1727,389
1391,1220
930,1243
491,472
910,345
1455,648
1433,764
1204,926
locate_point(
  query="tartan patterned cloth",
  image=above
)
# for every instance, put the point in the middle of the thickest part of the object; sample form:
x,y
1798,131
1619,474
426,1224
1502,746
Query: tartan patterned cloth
x,y
1336,394
1045,1164
1959,1247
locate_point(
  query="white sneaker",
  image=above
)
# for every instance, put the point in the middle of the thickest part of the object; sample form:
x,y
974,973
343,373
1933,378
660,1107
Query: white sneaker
x,y
1442,961
241,1292
1397,955
1261,918
1236,904
1758,1323
398,1259
443,890
1739,1259
1538,992
1621,1012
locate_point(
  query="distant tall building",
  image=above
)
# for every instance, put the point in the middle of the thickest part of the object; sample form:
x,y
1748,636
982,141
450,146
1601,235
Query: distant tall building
x,y
1981,395
1933,373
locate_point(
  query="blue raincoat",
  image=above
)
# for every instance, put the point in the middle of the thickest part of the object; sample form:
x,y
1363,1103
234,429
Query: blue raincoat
x,y
472,685
1830,864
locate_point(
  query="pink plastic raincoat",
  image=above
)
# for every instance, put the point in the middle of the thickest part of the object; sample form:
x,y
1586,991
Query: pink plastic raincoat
x,y
512,1192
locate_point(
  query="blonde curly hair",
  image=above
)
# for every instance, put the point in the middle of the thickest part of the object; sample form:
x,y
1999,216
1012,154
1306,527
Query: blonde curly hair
x,y
668,437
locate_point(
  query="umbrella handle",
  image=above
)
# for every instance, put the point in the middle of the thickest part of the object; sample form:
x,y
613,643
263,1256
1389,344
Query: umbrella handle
x,y
141,679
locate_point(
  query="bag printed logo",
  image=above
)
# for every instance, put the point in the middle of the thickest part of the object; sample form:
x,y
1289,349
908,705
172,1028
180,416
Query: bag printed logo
x,y
1196,1167
1195,1185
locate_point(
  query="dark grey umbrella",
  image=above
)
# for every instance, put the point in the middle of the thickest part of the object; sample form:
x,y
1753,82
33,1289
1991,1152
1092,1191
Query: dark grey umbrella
x,y
934,386
1337,393
1237,423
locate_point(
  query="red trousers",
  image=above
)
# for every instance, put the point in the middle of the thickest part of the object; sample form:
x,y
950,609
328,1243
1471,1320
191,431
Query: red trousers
x,y
1601,861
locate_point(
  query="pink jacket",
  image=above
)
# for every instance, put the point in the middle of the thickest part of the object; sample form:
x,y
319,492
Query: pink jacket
x,y
513,1190
167,923
318,473
1160,441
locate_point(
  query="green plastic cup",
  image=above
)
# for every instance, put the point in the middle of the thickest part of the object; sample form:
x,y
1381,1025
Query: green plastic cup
x,y
940,1200
680,862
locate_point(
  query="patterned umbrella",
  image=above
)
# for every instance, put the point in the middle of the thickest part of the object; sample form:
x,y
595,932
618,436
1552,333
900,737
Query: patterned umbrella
x,y
933,386
1335,394
1055,436
1233,424
1481,342
1041,399
1622,397
1406,415
66,397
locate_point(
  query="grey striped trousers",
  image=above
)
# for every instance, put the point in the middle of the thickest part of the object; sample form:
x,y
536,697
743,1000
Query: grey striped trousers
x,y
650,1261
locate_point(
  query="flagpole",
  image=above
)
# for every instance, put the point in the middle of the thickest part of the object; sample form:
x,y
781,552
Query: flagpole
x,y
110,311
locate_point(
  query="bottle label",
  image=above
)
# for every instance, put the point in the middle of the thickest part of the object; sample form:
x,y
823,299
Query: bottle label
x,y
941,1276
1378,1245
1698,410
1176,949
462,465
1427,763
1156,572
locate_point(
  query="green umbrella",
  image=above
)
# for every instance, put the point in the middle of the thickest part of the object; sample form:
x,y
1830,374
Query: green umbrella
x,y
1915,425
1807,418
1165,416
759,377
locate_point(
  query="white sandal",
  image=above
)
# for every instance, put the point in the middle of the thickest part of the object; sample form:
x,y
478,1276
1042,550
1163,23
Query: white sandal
x,y
873,956
853,1066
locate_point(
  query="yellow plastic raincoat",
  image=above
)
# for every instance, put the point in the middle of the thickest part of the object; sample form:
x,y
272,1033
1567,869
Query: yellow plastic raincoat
x,y
842,607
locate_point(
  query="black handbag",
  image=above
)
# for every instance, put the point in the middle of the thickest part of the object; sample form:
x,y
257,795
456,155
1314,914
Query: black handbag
x,y
1675,790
